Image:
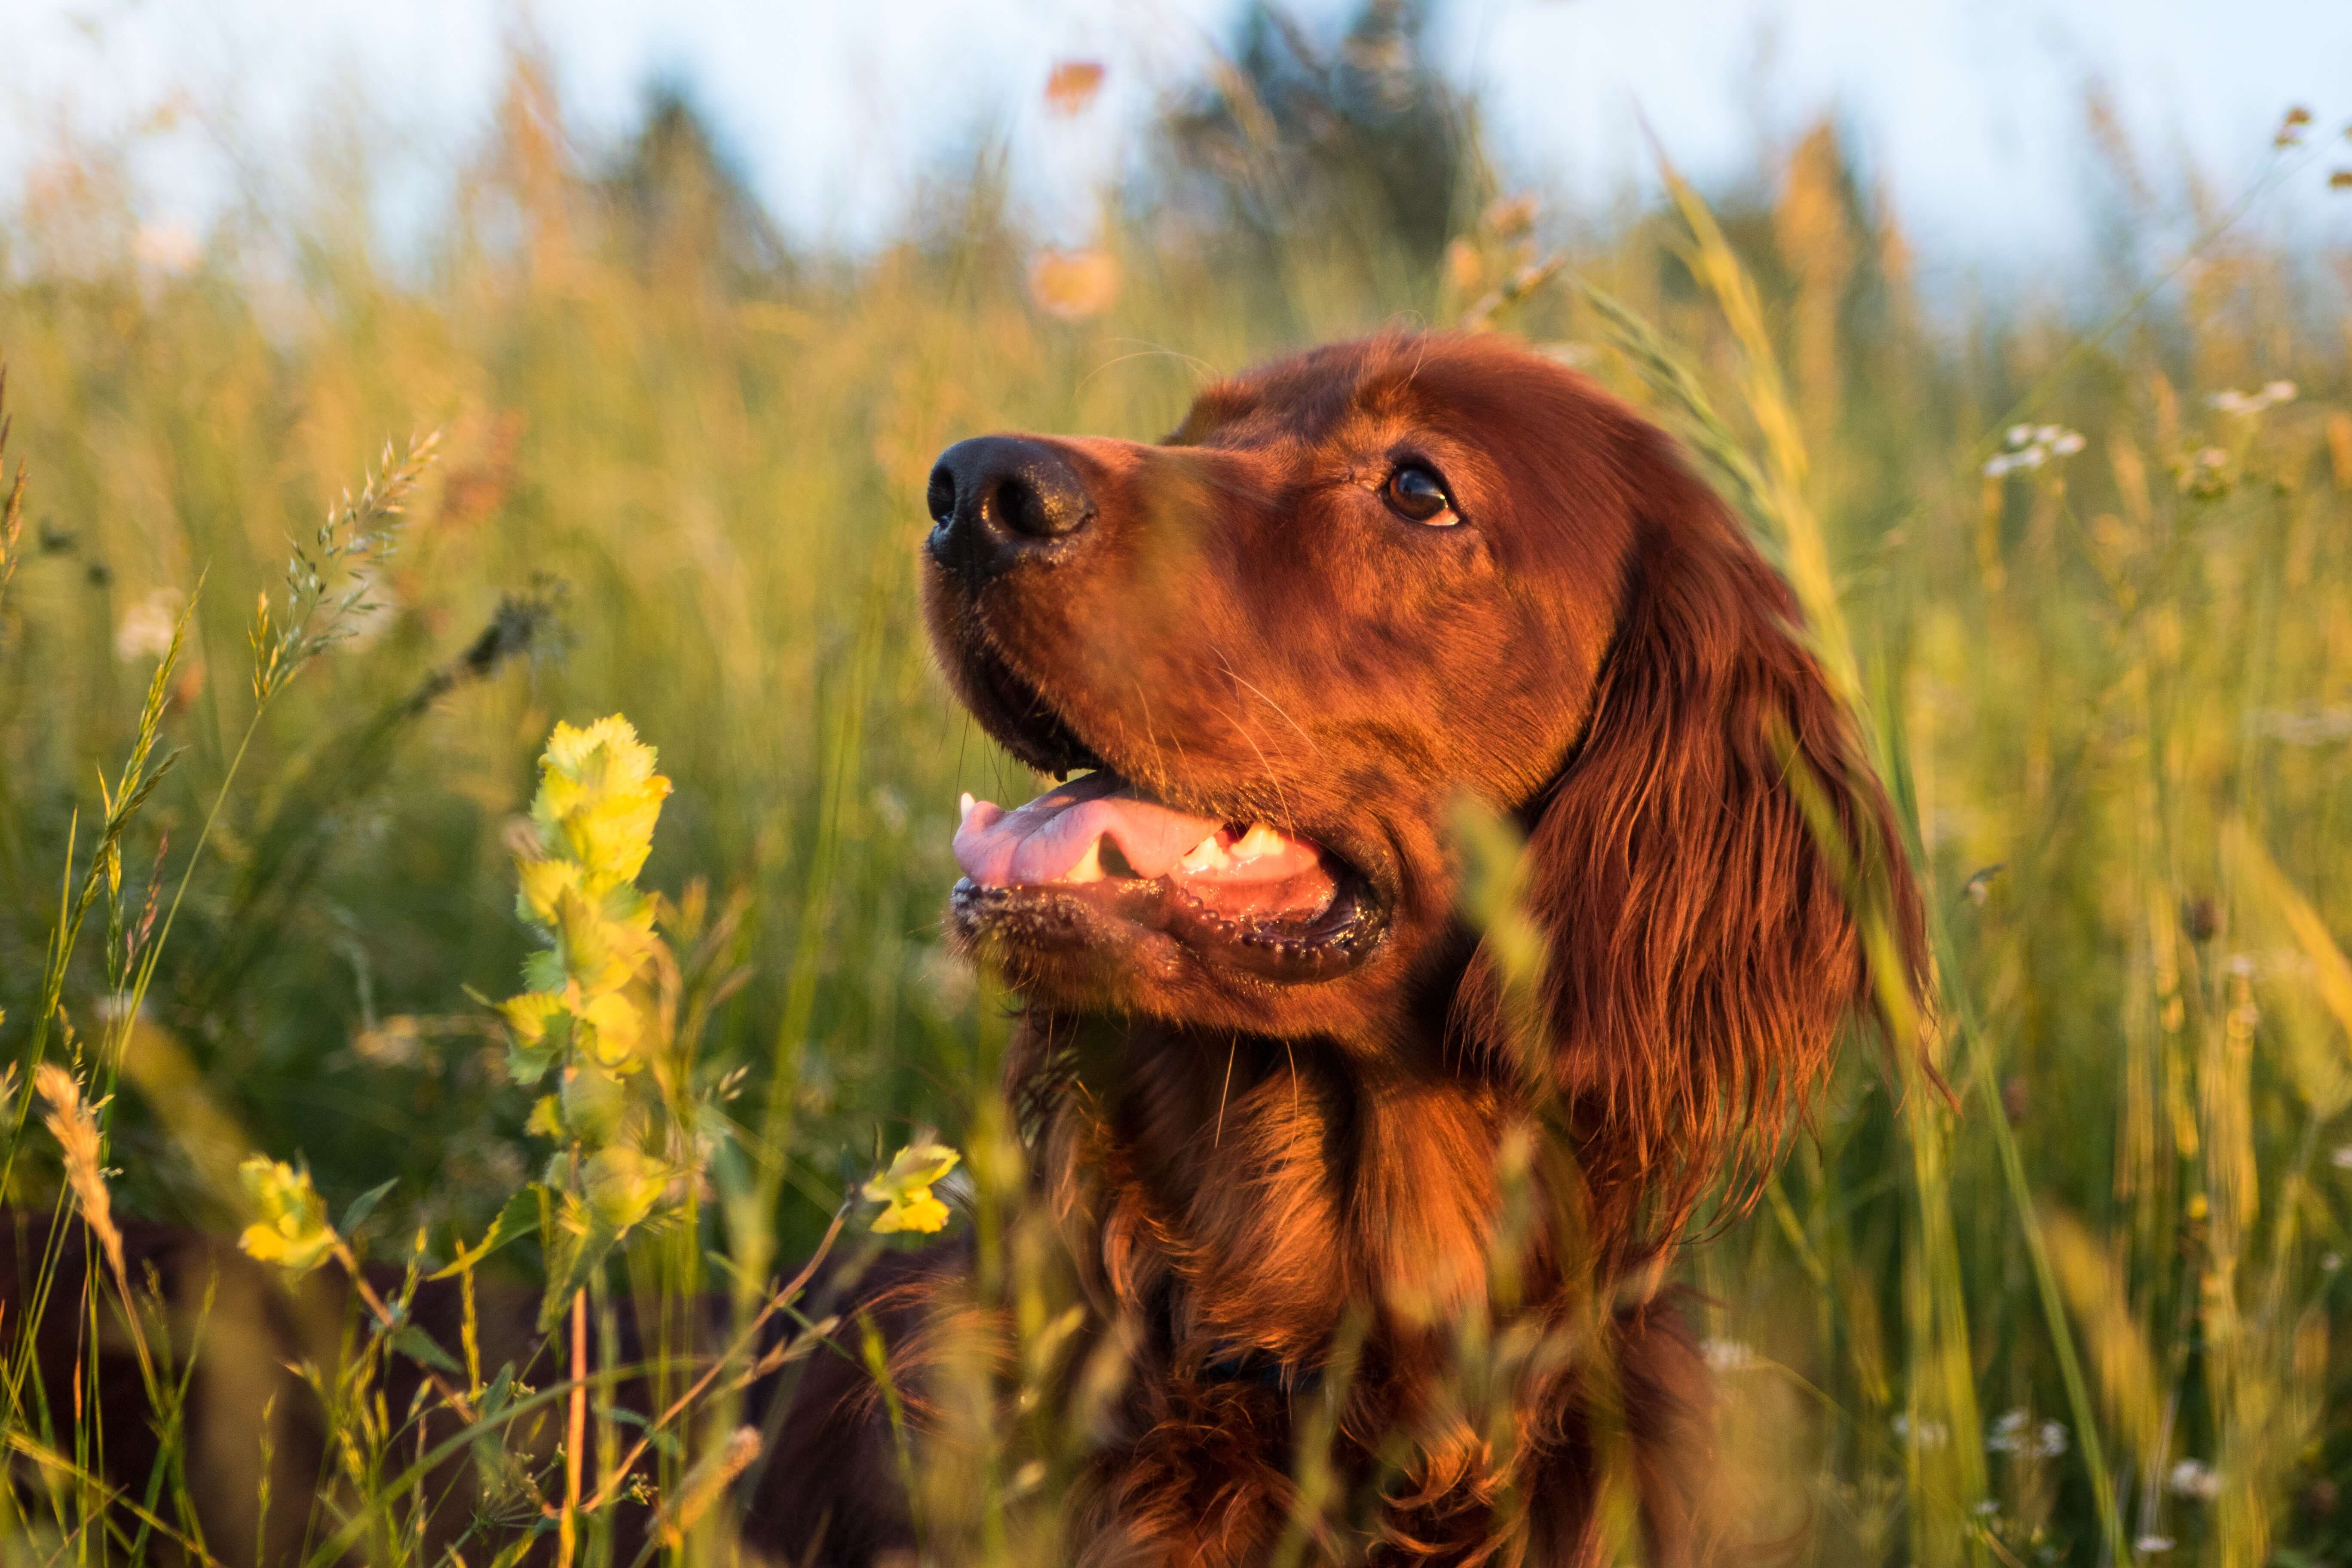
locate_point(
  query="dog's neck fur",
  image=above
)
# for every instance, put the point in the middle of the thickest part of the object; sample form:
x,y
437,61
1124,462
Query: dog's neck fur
x,y
1241,1203
1240,1194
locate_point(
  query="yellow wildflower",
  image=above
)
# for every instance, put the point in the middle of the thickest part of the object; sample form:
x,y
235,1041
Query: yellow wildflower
x,y
608,1030
540,886
292,1229
532,1015
599,799
546,1117
904,1189
601,954
538,1029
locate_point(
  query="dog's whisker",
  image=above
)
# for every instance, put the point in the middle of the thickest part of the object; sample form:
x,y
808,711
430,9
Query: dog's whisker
x,y
1312,744
1232,1047
1266,767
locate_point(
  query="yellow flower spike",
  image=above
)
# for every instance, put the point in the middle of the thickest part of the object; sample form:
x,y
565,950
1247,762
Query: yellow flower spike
x,y
538,1029
598,802
530,1014
609,1031
292,1229
546,1117
612,833
904,1189
540,886
600,954
599,799
604,754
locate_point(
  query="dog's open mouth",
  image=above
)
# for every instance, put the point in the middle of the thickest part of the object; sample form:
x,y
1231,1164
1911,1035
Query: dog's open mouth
x,y
1091,865
1247,894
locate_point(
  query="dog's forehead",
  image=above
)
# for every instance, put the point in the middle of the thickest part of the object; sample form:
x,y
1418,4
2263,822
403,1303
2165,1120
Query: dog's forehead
x,y
1368,390
1311,397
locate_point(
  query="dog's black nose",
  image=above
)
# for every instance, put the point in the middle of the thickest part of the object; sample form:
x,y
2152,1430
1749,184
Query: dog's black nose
x,y
997,501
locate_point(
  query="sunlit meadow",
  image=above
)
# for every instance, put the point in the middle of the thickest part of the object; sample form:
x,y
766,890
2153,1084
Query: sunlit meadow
x,y
330,957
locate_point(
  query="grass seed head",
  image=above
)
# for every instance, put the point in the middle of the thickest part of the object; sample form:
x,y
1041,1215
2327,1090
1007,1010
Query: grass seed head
x,y
73,1121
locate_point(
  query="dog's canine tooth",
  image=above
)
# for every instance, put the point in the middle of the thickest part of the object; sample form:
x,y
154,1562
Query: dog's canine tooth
x,y
964,803
1205,856
1259,840
1089,867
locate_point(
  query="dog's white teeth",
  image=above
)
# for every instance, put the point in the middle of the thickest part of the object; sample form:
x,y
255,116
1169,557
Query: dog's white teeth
x,y
1089,867
1259,840
1206,856
964,803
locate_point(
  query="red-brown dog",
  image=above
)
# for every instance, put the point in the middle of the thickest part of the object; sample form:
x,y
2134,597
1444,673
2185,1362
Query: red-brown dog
x,y
1267,1071
1353,589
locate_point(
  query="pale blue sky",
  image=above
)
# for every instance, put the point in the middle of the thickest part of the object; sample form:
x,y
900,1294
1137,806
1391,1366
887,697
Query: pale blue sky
x,y
1970,111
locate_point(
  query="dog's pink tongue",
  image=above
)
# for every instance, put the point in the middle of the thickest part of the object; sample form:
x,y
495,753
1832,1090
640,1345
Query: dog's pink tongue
x,y
1056,837
1080,831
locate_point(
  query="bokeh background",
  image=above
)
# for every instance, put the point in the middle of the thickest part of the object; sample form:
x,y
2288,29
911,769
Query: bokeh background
x,y
2052,297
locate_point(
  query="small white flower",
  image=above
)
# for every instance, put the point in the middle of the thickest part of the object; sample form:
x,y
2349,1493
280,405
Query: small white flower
x,y
2241,964
146,629
2341,1156
1996,467
2152,1544
2008,1433
2067,443
1727,1355
1987,1508
2048,433
2015,1432
2031,457
2329,1262
2194,1479
2246,404
2019,435
1929,1435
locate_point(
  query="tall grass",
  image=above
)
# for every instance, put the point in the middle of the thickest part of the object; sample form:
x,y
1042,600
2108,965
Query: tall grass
x,y
2084,1309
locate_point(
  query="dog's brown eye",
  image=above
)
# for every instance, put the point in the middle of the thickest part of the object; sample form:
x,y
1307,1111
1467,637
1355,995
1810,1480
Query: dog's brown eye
x,y
1413,491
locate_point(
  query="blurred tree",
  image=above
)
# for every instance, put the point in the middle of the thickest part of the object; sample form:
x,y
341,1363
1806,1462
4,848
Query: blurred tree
x,y
681,205
1360,140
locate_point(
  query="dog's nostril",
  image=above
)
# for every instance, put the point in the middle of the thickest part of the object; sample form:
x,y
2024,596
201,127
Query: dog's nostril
x,y
1019,508
996,500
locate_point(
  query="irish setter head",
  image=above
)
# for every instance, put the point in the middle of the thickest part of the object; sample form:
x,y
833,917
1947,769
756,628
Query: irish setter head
x,y
1351,589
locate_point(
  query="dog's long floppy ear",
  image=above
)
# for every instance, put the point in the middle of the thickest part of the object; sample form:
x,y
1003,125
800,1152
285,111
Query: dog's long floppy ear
x,y
1701,948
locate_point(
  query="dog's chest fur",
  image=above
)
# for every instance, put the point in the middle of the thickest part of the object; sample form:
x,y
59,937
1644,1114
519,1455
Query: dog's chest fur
x,y
1264,1224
